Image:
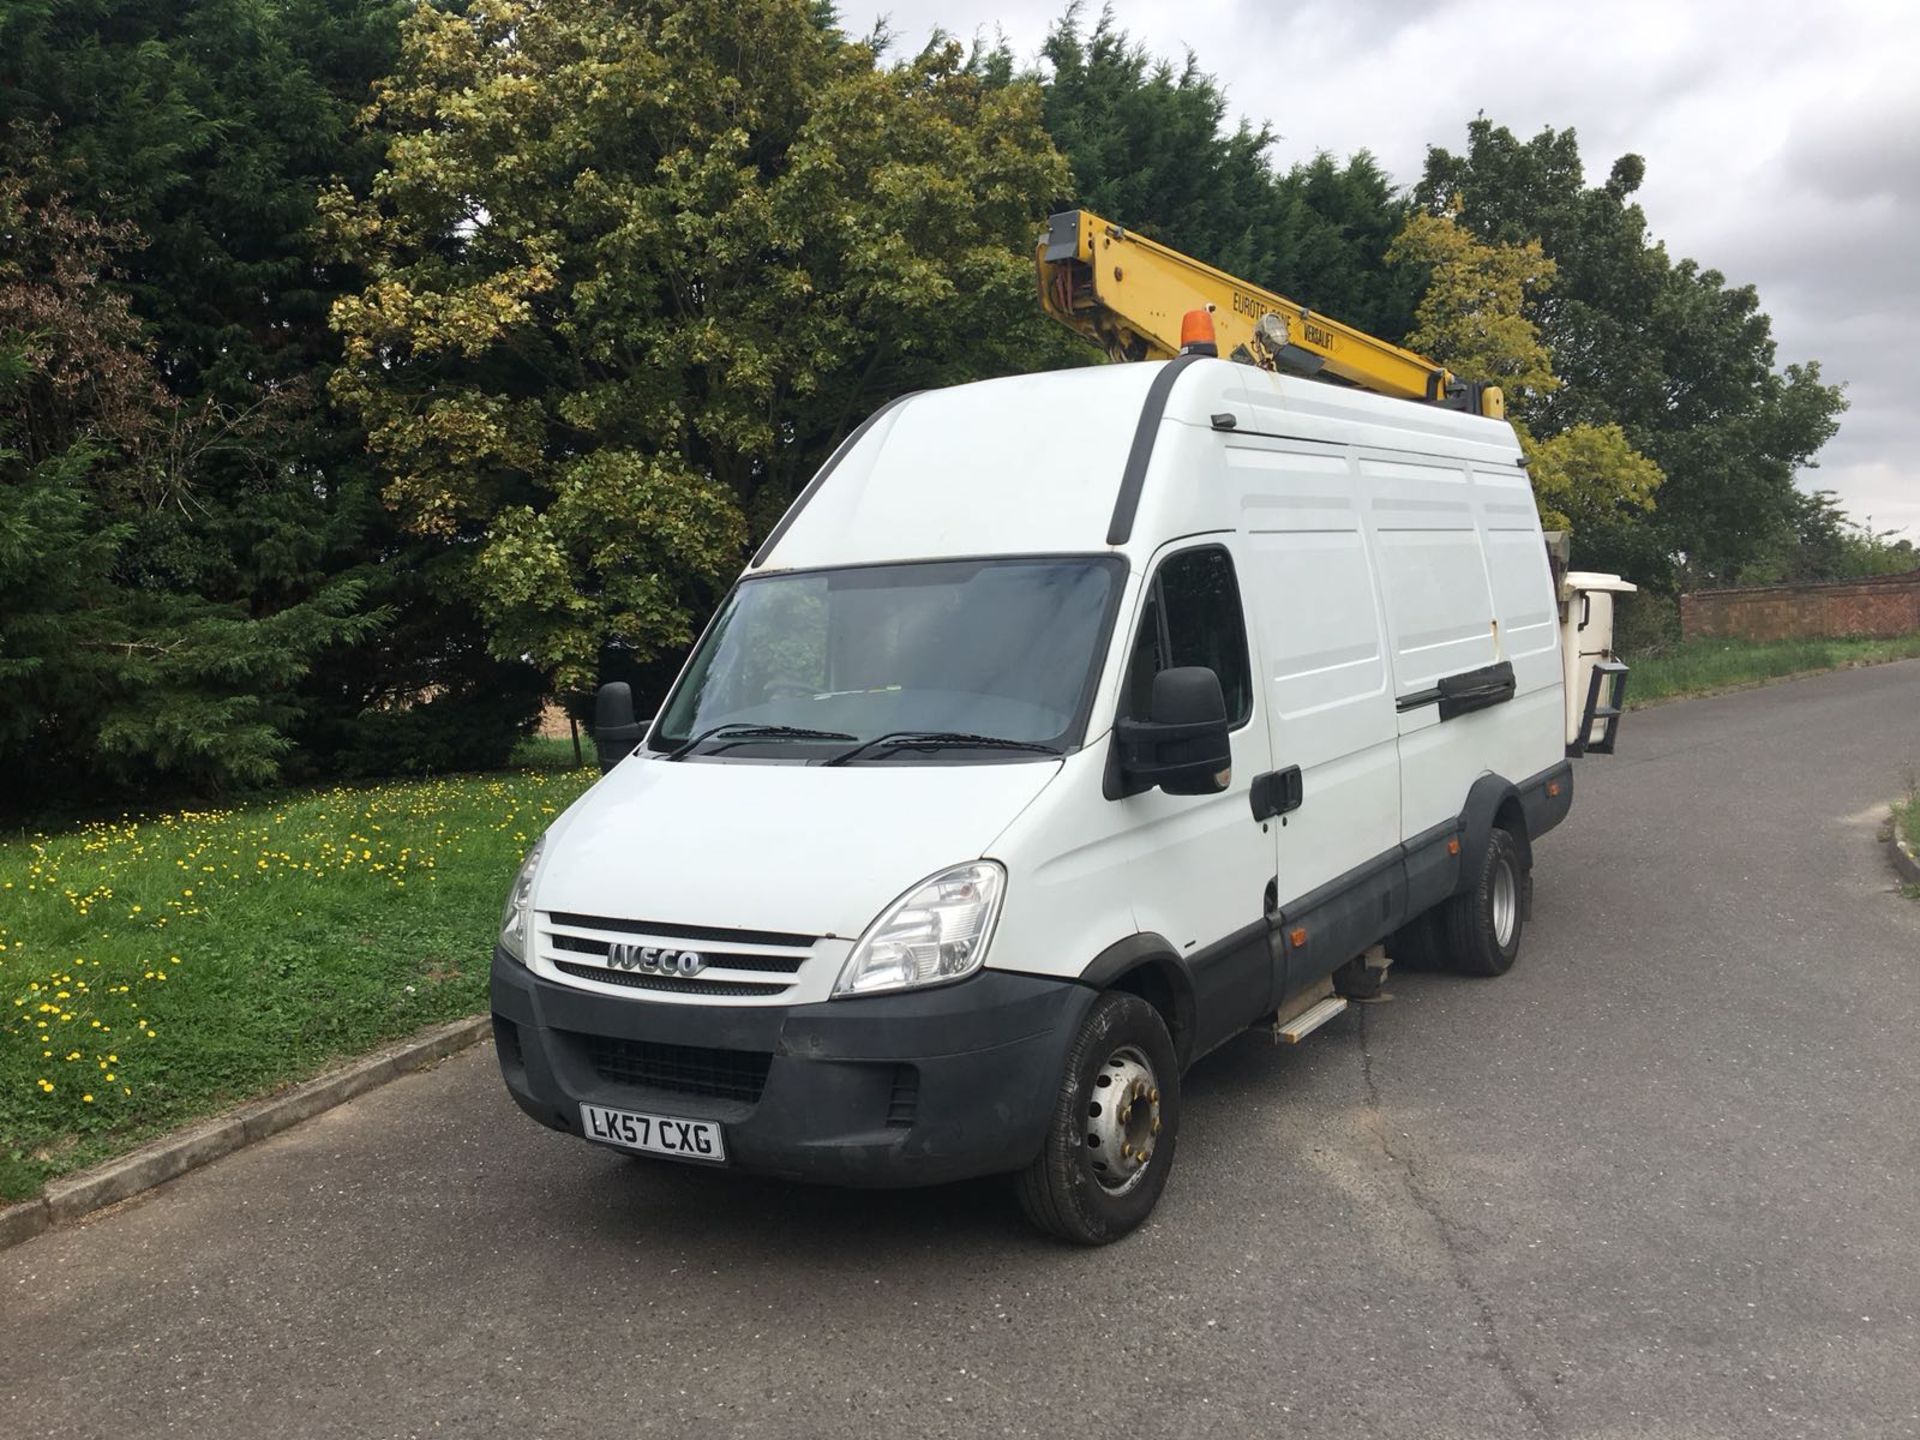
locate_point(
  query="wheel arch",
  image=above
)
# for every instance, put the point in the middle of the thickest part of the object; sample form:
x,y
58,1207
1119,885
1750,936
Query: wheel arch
x,y
1146,965
1493,802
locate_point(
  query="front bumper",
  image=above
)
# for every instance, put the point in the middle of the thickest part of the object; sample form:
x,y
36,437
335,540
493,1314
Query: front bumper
x,y
885,1090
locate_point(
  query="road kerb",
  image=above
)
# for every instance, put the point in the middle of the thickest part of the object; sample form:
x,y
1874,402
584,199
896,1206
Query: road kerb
x,y
23,1221
76,1196
1901,851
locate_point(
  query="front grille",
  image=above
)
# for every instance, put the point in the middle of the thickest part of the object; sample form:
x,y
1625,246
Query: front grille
x,y
683,1069
632,981
744,965
716,960
684,932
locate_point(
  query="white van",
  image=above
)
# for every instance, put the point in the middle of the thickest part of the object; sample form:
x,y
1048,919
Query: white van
x,y
1066,727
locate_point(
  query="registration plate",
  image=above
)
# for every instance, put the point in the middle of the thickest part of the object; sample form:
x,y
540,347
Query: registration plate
x,y
655,1134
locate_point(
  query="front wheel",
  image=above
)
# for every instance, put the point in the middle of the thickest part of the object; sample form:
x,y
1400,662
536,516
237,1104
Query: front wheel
x,y
1110,1142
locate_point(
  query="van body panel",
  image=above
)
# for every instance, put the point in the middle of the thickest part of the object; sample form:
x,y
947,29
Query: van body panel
x,y
1025,465
1313,598
1291,408
748,845
1070,870
1182,498
1329,925
1441,760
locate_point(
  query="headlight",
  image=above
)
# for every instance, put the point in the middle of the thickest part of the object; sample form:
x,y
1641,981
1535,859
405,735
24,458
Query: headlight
x,y
516,920
937,931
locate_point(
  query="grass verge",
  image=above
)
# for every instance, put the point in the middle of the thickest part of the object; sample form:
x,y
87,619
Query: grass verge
x,y
540,752
1700,667
153,971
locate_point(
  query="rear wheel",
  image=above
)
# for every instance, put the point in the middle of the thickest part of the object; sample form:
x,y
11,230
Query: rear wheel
x,y
1480,930
1109,1145
1417,945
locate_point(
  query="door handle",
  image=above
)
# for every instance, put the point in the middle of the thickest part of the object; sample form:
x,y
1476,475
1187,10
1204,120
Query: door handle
x,y
1276,792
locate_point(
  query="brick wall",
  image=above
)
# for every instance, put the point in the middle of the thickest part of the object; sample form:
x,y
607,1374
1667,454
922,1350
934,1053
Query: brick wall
x,y
1886,605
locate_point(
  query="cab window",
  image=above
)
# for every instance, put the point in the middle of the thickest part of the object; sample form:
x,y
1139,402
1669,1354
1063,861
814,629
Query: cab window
x,y
1192,617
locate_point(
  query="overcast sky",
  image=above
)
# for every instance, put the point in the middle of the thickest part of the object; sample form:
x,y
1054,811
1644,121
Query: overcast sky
x,y
1782,143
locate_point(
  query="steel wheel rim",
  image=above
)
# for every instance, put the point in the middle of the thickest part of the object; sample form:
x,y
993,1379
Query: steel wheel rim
x,y
1506,904
1122,1119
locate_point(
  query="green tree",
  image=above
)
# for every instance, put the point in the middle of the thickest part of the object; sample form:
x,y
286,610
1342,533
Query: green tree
x,y
108,680
1825,543
1681,361
1588,478
636,266
1149,145
1338,222
1473,318
211,125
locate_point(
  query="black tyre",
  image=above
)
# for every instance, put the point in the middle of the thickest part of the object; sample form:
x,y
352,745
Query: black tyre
x,y
1480,929
1418,945
1109,1146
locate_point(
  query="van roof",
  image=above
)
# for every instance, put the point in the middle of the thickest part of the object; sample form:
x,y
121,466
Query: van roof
x,y
1079,461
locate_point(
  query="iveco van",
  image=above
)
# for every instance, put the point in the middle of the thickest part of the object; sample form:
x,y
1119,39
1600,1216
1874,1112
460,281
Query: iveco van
x,y
1066,727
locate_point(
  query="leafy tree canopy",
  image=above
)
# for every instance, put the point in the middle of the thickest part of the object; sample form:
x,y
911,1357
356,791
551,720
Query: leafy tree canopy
x,y
201,132
1149,146
107,678
1679,360
636,267
1473,318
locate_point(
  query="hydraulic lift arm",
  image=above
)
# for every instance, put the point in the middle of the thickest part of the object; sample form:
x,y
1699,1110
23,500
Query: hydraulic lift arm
x,y
1129,295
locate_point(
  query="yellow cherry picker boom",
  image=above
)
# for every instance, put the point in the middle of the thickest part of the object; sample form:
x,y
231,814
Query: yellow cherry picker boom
x,y
1135,298
1140,300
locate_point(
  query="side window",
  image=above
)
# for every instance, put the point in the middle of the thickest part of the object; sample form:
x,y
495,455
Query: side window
x,y
1192,617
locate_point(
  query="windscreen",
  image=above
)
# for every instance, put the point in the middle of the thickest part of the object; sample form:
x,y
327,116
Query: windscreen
x,y
996,648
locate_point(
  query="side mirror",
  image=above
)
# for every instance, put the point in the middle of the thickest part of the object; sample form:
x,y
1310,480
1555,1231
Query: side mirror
x,y
615,731
1183,746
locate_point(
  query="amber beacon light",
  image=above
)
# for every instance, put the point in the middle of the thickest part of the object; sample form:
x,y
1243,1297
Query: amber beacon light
x,y
1196,333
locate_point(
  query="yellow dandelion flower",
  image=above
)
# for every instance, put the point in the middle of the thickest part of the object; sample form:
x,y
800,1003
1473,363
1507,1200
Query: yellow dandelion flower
x,y
87,1099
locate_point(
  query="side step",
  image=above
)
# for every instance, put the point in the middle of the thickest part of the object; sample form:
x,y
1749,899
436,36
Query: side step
x,y
1293,1031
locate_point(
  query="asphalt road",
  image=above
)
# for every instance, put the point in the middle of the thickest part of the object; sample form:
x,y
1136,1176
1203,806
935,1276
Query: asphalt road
x,y
1663,1180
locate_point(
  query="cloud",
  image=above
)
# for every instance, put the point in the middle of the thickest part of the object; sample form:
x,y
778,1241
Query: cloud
x,y
1782,143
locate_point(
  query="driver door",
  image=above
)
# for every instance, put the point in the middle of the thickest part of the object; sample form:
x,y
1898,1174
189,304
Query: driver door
x,y
1202,864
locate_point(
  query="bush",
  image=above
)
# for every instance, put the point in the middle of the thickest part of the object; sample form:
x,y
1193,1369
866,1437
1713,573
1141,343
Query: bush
x,y
1646,623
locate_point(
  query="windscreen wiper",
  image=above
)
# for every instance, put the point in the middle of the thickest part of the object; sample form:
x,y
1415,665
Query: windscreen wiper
x,y
746,730
938,740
